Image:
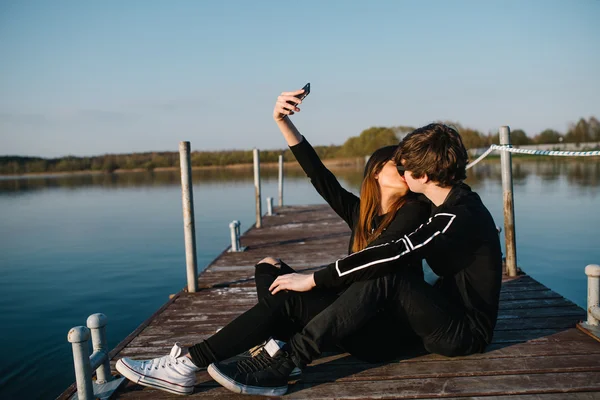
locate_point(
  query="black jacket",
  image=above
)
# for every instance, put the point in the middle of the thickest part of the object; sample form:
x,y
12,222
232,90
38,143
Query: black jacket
x,y
347,205
460,243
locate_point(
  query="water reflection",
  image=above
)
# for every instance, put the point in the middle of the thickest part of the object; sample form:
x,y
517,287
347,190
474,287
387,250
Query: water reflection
x,y
578,172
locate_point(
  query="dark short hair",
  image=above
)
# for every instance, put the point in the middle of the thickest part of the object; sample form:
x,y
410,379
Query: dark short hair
x,y
436,150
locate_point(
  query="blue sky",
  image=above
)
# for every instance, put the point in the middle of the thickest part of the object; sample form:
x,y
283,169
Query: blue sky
x,y
96,77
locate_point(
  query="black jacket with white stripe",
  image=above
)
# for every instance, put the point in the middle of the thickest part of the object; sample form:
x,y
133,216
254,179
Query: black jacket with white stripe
x,y
460,243
347,205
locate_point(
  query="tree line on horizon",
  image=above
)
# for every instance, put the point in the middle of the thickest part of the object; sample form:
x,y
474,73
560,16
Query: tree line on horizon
x,y
356,146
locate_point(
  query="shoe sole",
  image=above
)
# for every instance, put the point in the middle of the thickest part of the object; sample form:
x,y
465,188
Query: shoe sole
x,y
144,380
237,387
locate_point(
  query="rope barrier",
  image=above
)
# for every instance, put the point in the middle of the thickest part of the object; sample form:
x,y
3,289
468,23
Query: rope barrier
x,y
511,149
481,157
546,152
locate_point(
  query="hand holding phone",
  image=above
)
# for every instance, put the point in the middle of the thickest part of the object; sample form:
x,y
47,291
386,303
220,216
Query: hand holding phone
x,y
306,89
286,103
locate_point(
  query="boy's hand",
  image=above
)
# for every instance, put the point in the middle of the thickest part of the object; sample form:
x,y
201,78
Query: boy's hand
x,y
283,108
293,282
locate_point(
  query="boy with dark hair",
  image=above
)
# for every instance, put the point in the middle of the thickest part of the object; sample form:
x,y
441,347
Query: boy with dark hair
x,y
455,317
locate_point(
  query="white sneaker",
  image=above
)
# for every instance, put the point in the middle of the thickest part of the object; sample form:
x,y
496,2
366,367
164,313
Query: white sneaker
x,y
173,373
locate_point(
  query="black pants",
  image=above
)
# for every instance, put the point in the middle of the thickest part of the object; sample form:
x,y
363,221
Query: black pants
x,y
287,313
441,325
279,316
375,320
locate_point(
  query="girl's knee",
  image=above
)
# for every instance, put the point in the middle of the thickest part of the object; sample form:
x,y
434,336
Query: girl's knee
x,y
270,260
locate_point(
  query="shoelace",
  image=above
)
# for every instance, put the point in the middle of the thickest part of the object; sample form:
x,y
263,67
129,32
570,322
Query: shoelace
x,y
260,361
159,362
256,350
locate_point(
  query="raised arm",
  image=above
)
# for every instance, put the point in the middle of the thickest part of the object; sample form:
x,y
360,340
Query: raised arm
x,y
343,202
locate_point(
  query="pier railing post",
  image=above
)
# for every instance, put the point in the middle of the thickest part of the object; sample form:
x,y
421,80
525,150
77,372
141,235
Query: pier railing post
x,y
508,202
188,217
238,235
280,180
593,302
256,154
269,206
79,337
96,323
234,236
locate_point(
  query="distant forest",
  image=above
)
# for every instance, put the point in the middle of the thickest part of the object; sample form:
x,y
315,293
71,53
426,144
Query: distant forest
x,y
357,146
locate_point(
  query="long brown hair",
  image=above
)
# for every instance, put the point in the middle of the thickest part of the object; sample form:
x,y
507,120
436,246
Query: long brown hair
x,y
370,201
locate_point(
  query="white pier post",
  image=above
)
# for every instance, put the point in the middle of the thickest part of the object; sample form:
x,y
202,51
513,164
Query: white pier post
x,y
269,206
256,154
508,201
188,217
593,301
96,323
280,180
78,337
234,237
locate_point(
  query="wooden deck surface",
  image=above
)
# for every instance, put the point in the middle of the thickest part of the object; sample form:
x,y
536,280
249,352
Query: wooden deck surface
x,y
536,354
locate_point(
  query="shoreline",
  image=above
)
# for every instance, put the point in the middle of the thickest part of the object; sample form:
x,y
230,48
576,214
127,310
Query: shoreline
x,y
334,163
331,163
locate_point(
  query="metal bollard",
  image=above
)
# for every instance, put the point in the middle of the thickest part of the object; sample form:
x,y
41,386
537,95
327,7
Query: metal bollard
x,y
78,337
97,326
593,301
269,206
234,236
280,180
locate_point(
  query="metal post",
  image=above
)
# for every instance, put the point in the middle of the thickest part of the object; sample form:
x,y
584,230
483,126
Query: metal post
x,y
238,235
188,216
508,201
234,239
78,337
269,206
280,180
256,154
593,302
97,325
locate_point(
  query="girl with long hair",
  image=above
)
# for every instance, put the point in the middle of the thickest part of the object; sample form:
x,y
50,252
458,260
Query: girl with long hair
x,y
385,210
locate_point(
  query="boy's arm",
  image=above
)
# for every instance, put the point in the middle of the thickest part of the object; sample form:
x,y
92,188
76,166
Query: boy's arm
x,y
445,233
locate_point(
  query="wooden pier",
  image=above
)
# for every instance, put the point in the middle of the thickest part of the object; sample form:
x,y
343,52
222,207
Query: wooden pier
x,y
537,353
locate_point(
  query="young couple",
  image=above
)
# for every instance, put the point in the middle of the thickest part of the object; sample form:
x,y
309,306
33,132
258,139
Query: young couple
x,y
373,303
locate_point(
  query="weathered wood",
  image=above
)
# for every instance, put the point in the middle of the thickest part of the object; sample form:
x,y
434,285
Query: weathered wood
x,y
535,354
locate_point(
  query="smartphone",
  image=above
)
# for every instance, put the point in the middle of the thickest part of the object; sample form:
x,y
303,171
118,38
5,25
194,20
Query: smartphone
x,y
301,96
306,89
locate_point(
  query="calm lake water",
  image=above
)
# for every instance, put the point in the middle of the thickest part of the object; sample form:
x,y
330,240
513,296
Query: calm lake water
x,y
74,246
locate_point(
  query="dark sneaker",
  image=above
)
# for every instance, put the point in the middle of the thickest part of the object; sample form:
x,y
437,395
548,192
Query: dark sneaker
x,y
271,346
262,374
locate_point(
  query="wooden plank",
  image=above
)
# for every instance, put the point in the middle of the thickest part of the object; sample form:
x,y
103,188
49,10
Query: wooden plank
x,y
565,383
535,353
448,387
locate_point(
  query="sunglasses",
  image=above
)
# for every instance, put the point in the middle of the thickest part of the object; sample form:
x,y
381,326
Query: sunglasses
x,y
401,169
